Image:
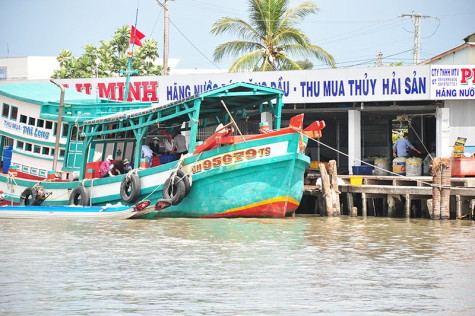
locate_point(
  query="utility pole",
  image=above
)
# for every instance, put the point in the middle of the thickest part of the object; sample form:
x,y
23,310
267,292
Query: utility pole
x,y
165,39
379,63
165,36
416,18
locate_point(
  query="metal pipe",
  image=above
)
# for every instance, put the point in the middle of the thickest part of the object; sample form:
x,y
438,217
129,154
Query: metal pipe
x,y
59,124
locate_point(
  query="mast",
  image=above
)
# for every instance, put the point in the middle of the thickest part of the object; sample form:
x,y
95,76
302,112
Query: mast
x,y
130,55
59,125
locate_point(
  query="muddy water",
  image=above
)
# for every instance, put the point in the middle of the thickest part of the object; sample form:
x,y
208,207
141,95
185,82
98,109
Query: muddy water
x,y
292,266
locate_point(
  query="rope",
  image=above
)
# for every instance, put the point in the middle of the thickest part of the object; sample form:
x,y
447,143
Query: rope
x,y
420,140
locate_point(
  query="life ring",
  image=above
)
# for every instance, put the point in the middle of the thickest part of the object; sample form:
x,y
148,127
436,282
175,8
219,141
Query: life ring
x,y
79,196
130,188
26,195
176,188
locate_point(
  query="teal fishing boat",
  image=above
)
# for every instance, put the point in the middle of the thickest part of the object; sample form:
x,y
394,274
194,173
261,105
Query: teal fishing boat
x,y
228,174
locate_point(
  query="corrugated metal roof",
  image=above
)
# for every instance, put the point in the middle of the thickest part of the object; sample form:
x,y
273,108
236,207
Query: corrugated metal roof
x,y
41,93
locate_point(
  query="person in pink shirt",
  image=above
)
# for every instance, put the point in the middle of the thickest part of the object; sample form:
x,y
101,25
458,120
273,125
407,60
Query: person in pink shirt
x,y
106,166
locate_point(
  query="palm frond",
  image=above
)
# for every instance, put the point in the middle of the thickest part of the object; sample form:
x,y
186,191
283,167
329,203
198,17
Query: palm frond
x,y
287,63
246,62
235,48
234,26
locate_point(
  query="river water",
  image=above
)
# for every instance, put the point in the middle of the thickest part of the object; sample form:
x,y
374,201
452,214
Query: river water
x,y
291,266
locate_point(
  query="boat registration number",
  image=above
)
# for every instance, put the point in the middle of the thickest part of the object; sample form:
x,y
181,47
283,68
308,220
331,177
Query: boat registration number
x,y
230,158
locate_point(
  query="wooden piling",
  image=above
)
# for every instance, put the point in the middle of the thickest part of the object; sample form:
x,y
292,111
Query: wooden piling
x,y
364,206
407,206
458,207
326,190
436,185
445,189
391,204
442,173
350,203
334,192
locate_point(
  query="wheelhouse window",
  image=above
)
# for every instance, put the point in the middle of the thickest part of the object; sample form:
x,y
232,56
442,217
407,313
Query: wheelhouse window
x,y
20,144
14,113
32,121
23,118
36,149
62,152
3,73
64,132
40,123
49,125
5,110
28,147
46,151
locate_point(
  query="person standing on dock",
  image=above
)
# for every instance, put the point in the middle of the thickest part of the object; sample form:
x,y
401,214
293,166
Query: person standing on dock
x,y
401,145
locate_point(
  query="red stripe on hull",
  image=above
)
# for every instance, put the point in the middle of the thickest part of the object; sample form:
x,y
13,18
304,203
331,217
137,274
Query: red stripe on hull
x,y
274,209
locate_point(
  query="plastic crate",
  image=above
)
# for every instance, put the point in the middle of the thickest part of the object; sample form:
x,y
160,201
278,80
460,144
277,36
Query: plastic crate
x,y
166,158
356,180
462,167
362,170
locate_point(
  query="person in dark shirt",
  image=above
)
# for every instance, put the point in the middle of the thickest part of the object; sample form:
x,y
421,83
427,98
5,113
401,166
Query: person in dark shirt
x,y
127,165
118,167
155,146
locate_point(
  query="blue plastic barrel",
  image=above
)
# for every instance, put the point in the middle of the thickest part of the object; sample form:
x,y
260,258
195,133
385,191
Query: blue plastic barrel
x,y
7,158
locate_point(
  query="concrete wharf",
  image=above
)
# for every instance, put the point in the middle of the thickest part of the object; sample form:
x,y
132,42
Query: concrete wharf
x,y
393,196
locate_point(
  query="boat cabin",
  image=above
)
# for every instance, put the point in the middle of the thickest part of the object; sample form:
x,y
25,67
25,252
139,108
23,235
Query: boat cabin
x,y
39,136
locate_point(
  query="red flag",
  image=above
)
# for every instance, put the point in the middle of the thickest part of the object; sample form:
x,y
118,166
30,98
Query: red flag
x,y
136,36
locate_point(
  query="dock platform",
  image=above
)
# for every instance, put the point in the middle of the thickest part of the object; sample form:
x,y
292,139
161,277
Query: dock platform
x,y
395,196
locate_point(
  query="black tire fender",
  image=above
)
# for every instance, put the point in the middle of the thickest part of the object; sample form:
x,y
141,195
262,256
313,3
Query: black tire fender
x,y
25,197
130,188
79,196
174,189
184,176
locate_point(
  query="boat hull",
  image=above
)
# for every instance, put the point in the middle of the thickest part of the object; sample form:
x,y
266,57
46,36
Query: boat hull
x,y
258,178
21,211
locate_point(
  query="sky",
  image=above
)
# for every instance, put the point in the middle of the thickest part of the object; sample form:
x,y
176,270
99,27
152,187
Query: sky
x,y
353,32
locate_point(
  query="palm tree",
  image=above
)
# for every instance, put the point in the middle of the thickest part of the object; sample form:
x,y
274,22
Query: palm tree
x,y
270,38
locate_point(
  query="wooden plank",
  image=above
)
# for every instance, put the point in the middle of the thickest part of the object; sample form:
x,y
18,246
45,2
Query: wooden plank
x,y
378,189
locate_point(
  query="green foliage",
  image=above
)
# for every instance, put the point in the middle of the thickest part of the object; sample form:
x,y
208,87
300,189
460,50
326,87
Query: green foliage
x,y
305,64
108,59
270,38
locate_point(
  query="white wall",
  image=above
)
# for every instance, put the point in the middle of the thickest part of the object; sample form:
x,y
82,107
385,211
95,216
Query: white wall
x,y
41,67
462,120
29,68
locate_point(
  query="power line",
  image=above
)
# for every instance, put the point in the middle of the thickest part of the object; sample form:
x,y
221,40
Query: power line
x,y
191,43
